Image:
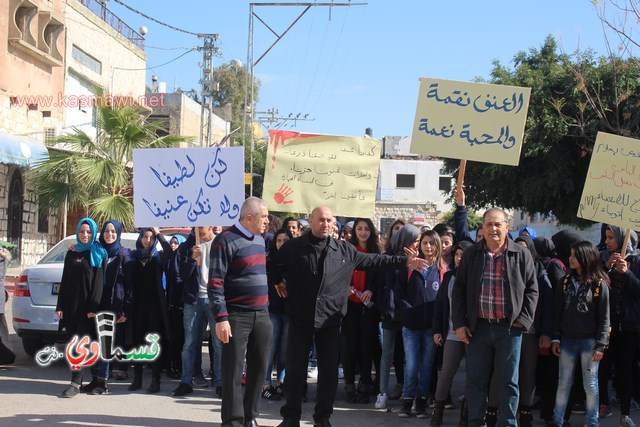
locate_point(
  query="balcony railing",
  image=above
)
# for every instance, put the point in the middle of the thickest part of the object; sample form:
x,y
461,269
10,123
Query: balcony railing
x,y
118,24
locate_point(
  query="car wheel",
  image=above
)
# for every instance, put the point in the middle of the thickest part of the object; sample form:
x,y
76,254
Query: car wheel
x,y
32,345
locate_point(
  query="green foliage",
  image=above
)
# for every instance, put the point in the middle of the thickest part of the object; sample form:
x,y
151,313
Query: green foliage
x,y
473,220
572,98
97,175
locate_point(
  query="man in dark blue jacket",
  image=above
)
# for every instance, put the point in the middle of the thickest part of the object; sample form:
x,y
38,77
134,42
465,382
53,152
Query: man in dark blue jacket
x,y
196,310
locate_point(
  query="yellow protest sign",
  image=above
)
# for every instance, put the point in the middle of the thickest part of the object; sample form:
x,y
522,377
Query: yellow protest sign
x,y
308,170
611,191
470,121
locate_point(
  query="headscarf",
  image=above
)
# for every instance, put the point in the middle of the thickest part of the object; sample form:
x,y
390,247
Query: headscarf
x,y
531,231
463,244
179,237
141,252
544,247
113,248
530,245
618,234
96,252
563,240
404,237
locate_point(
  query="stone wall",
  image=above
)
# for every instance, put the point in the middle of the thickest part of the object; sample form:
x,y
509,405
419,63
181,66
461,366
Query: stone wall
x,y
406,211
34,243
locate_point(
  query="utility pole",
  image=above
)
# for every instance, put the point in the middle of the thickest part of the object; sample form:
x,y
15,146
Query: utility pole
x,y
209,87
249,94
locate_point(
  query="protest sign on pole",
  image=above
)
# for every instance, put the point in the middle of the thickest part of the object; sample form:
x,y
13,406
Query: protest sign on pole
x,y
186,187
308,170
611,192
470,121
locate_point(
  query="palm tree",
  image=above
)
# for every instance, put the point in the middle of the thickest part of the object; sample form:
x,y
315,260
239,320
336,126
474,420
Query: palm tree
x,y
96,175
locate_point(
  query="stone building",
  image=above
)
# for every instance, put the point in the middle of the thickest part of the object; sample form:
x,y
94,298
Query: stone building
x,y
57,58
410,186
181,115
31,79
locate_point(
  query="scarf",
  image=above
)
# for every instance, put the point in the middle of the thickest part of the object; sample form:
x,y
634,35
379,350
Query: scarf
x,y
113,248
96,251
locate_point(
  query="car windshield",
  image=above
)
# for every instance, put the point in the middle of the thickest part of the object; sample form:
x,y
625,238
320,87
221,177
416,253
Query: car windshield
x,y
59,251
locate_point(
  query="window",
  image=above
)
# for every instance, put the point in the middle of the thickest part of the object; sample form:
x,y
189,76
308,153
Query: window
x,y
43,221
405,181
445,183
85,59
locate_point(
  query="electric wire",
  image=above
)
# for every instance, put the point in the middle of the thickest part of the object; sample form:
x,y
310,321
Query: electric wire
x,y
160,22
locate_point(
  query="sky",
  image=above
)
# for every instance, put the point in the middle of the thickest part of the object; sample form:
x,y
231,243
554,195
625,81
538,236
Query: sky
x,y
355,67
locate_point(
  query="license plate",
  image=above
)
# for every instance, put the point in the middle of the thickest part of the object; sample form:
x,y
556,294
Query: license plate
x,y
55,288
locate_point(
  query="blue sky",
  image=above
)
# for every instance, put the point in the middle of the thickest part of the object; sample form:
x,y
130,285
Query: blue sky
x,y
355,67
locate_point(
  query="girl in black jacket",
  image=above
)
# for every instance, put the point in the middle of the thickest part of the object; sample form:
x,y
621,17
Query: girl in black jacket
x,y
150,314
81,290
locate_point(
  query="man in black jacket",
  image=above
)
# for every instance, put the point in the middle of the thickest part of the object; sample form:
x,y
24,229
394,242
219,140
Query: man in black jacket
x,y
317,271
493,301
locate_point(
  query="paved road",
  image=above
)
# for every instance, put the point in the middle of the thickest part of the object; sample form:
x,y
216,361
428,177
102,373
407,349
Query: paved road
x,y
29,398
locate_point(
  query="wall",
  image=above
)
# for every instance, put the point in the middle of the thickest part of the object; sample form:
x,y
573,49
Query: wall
x,y
121,72
427,178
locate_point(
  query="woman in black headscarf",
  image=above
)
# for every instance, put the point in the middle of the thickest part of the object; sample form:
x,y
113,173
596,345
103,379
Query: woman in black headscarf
x,y
150,313
116,296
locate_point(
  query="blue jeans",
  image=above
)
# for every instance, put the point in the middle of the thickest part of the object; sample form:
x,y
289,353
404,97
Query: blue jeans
x,y
419,353
195,320
278,350
494,347
571,350
388,347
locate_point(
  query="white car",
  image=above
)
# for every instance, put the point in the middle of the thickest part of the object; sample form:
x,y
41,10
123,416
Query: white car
x,y
36,294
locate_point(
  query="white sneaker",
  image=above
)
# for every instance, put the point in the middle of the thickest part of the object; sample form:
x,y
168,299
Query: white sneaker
x,y
340,373
312,373
626,421
381,401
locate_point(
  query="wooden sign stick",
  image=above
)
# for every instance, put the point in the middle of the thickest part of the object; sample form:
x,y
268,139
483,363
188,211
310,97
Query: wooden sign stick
x,y
627,235
197,233
461,172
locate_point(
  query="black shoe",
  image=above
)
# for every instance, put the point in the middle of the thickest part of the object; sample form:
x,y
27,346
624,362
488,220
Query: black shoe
x,y
491,416
270,393
252,423
71,391
100,388
438,414
136,384
88,388
526,418
448,403
182,390
350,393
154,387
421,407
219,391
322,423
405,410
287,422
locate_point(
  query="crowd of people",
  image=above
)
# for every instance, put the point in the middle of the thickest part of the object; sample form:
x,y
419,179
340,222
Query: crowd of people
x,y
557,318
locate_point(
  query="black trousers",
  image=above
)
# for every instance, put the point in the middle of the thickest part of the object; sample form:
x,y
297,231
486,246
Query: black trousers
x,y
626,360
177,337
251,336
360,328
327,347
147,319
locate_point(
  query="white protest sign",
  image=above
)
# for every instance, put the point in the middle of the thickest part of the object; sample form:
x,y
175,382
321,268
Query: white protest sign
x,y
186,187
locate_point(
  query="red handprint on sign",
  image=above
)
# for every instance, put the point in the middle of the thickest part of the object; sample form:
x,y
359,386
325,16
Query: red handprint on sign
x,y
282,194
